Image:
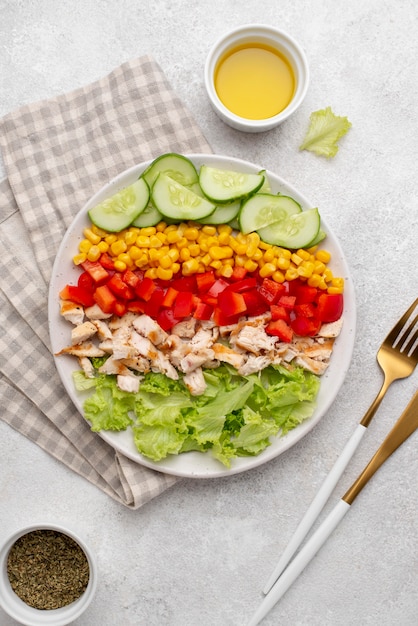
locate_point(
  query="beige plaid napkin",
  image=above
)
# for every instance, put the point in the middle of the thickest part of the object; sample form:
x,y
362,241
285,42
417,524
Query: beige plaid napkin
x,y
57,153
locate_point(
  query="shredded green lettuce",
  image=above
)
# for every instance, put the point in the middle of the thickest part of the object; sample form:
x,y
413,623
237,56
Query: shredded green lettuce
x,y
236,416
324,131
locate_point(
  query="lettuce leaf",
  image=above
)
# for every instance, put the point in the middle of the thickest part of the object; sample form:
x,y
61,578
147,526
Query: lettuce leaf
x,y
236,416
324,131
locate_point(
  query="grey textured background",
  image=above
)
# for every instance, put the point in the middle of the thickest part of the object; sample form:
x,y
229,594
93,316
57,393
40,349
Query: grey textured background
x,y
201,552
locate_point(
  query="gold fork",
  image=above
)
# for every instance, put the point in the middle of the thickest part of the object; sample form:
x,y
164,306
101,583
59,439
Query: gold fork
x,y
397,357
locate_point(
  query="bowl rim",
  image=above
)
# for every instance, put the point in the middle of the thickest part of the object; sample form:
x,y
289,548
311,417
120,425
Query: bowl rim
x,y
274,37
16,608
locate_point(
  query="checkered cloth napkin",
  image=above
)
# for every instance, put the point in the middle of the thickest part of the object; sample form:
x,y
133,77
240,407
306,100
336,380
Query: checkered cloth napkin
x,y
57,153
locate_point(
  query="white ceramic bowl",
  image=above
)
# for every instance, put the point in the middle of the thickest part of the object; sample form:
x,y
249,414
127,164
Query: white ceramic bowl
x,y
273,38
29,616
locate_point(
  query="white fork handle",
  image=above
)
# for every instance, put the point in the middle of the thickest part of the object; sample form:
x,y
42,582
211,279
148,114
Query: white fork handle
x,y
300,561
317,504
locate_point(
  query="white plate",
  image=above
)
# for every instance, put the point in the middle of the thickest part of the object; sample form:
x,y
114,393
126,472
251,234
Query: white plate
x,y
196,464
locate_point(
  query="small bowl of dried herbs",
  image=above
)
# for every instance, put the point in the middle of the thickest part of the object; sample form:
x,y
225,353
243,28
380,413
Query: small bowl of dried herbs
x,y
47,576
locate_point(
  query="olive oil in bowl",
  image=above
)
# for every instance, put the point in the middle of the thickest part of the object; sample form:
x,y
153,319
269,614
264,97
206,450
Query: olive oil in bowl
x,y
254,81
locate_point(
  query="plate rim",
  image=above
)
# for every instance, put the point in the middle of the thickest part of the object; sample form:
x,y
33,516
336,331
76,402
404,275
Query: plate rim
x,y
179,465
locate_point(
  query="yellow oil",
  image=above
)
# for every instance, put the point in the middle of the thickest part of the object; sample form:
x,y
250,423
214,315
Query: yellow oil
x,y
254,81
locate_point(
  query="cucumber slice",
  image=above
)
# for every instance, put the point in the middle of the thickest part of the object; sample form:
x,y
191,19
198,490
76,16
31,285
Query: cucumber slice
x,y
223,186
149,217
178,202
320,237
297,231
177,166
264,209
265,187
223,214
119,211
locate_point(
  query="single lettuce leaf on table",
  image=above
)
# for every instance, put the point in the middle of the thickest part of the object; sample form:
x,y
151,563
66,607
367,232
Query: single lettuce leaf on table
x,y
324,131
236,416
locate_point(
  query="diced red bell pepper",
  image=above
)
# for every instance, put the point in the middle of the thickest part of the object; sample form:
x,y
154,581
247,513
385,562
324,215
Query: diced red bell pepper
x,y
305,326
330,307
222,320
218,286
154,304
145,288
307,309
86,282
132,279
98,273
231,303
256,305
169,297
183,305
280,329
279,312
287,301
205,281
243,285
120,288
238,273
105,298
212,300
203,311
166,319
185,283
77,294
120,308
136,306
303,292
106,261
271,291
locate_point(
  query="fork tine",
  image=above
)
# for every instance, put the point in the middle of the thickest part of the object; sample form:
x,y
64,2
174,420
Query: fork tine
x,y
413,340
398,329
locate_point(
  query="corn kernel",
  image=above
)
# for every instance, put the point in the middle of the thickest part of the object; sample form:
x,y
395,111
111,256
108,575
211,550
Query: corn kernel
x,y
125,258
334,290
268,255
324,256
338,283
283,263
98,231
135,253
175,267
194,249
240,260
278,276
164,273
174,254
226,271
314,280
160,227
264,246
120,266
184,254
224,228
209,230
166,262
151,273
319,267
305,269
250,265
147,231
79,258
267,270
142,261
291,273
84,245
111,239
162,237
296,259
103,246
304,254
216,264
189,267
258,255
182,243
224,238
155,242
191,233
154,255
91,236
130,237
117,247
173,236
327,275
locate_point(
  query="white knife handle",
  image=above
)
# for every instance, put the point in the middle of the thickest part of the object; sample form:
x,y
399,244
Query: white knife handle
x,y
300,561
317,504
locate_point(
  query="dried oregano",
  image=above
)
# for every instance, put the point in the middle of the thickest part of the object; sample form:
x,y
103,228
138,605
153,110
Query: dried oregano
x,y
47,569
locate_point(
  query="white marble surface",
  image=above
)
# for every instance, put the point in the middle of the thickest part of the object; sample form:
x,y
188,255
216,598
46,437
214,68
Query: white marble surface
x,y
200,553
